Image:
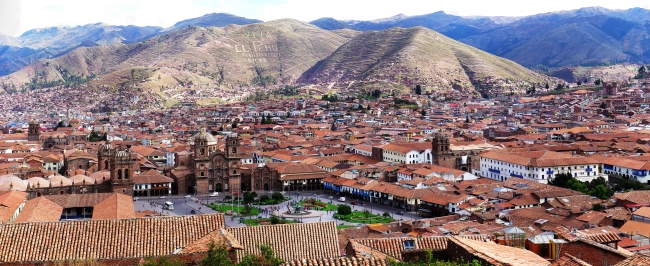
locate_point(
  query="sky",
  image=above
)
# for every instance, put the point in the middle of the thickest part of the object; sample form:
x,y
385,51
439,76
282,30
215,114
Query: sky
x,y
18,16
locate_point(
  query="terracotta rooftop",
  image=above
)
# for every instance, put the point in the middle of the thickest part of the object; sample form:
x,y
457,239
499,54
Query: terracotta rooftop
x,y
498,254
91,239
290,241
636,260
10,201
568,260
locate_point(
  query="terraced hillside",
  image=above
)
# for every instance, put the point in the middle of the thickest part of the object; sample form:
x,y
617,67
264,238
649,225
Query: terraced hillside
x,y
402,58
264,54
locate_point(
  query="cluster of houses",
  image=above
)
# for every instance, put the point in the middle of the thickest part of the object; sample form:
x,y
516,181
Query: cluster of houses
x,y
474,172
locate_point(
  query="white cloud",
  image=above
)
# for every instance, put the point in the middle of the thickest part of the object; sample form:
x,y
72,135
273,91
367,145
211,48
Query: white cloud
x,y
47,13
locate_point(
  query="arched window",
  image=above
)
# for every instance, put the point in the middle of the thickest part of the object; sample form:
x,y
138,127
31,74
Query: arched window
x,y
126,174
202,173
105,164
119,174
202,151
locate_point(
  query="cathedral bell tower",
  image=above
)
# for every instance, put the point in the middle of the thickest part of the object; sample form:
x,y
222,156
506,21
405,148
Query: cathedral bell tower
x,y
104,155
440,144
121,167
34,133
440,152
232,146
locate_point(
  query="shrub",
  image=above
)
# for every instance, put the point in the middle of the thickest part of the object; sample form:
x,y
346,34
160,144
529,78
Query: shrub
x,y
344,209
386,214
264,198
277,196
275,220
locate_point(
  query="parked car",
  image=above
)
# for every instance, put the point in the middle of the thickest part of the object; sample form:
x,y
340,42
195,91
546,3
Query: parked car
x,y
400,213
135,198
214,194
187,196
193,212
163,197
354,202
342,199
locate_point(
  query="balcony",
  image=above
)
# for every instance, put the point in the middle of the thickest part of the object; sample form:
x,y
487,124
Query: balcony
x,y
639,172
516,175
496,171
589,169
549,172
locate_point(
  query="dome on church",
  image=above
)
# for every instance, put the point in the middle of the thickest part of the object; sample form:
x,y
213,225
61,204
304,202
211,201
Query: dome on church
x,y
82,179
12,182
38,182
60,181
205,137
34,122
101,176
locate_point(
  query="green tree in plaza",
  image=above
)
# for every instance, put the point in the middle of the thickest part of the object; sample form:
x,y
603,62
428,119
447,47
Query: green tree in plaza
x,y
344,209
277,196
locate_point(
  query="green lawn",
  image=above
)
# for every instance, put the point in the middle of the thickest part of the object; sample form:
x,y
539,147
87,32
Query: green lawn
x,y
344,226
315,205
236,208
360,217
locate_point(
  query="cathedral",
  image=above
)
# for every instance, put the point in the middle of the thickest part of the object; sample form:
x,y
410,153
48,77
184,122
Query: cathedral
x,y
213,169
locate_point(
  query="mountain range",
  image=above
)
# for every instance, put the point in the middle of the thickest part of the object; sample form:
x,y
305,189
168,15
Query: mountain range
x,y
586,36
283,52
262,54
16,53
399,57
438,50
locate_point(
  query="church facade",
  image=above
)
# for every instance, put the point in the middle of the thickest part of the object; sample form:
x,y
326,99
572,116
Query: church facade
x,y
213,169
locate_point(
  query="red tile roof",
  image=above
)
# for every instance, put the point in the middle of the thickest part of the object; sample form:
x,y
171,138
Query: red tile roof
x,y
498,254
103,239
290,241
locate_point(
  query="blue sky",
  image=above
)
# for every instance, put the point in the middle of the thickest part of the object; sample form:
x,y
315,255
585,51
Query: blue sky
x,y
18,16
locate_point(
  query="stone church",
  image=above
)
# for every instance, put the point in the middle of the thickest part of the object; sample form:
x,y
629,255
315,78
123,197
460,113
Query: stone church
x,y
115,174
446,156
208,168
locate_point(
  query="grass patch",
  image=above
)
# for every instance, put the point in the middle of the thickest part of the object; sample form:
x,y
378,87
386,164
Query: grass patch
x,y
237,208
362,217
338,227
318,205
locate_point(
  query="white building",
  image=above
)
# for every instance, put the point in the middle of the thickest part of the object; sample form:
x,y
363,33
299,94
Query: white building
x,y
538,166
408,153
633,167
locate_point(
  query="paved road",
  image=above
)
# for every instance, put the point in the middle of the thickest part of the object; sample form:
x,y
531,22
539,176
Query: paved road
x,y
184,206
